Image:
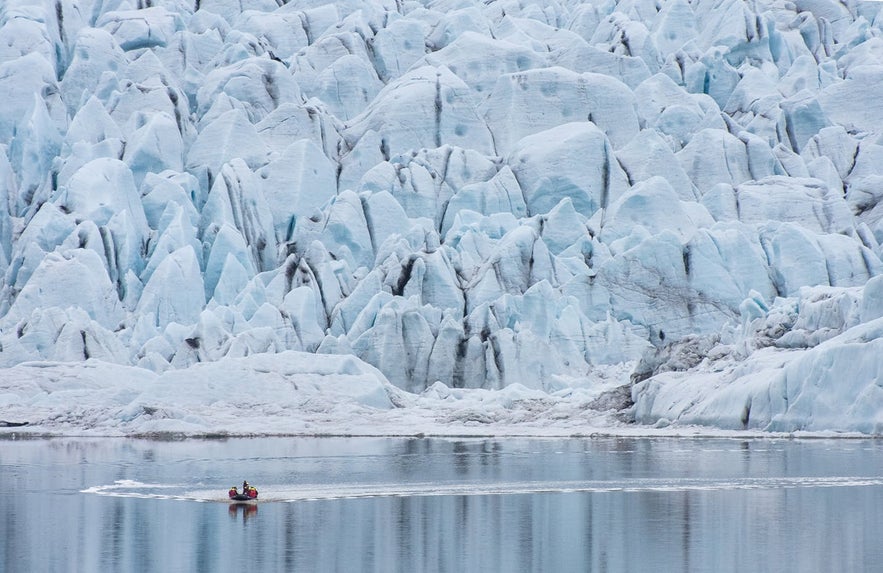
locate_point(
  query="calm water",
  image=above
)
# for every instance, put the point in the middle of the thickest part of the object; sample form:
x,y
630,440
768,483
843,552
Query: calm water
x,y
414,505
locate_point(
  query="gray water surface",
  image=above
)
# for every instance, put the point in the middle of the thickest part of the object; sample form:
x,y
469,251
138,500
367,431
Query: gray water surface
x,y
411,505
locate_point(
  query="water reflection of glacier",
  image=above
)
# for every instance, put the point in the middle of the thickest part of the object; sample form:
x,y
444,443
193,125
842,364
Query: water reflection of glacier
x,y
317,492
438,505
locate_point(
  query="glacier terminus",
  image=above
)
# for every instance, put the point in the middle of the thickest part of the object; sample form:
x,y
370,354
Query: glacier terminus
x,y
441,216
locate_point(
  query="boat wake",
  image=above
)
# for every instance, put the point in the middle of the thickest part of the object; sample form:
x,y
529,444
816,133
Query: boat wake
x,y
318,492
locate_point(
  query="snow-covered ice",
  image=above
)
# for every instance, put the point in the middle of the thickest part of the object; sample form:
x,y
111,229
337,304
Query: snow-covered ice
x,y
441,217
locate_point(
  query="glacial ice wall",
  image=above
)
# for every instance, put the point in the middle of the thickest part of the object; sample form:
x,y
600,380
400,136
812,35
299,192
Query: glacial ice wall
x,y
477,193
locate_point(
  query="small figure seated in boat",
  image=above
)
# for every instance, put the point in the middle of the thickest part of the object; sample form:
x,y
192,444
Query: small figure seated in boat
x,y
248,492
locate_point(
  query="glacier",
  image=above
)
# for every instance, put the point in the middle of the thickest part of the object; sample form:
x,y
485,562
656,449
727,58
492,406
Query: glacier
x,y
441,216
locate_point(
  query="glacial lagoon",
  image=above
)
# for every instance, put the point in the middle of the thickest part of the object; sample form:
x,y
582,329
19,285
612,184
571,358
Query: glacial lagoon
x,y
436,505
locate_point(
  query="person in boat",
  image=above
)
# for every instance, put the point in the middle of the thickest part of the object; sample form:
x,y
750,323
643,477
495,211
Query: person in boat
x,y
233,492
248,490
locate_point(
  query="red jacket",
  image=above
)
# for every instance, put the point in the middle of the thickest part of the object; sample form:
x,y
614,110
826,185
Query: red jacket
x,y
252,493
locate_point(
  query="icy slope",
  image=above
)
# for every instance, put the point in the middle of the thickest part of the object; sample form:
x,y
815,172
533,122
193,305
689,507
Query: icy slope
x,y
475,193
289,393
806,363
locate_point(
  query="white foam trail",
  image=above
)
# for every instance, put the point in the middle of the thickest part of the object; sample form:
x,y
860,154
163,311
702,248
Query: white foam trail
x,y
136,489
350,491
318,492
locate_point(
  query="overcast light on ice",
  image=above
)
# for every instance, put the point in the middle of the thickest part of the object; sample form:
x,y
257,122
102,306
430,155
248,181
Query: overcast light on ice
x,y
399,217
